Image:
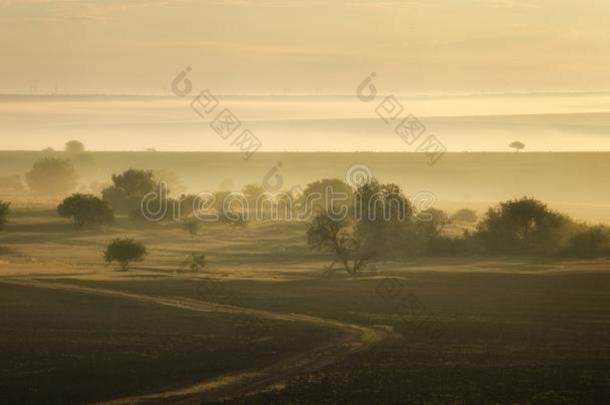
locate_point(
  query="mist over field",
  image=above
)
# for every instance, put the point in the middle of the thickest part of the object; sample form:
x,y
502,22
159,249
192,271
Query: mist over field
x,y
298,202
545,122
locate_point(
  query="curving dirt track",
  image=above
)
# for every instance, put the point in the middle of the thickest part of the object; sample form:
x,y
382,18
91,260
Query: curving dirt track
x,y
355,338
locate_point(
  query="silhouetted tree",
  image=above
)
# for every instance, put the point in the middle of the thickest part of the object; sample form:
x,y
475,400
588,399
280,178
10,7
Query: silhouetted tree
x,y
522,226
124,251
125,195
517,145
381,212
52,176
74,146
334,234
372,230
86,210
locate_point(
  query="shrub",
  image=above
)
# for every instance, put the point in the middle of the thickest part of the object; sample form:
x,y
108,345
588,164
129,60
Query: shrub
x,y
196,261
523,226
52,176
124,251
86,210
590,243
464,215
4,211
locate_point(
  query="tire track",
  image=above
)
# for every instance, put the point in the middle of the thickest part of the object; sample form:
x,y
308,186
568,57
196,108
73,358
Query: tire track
x,y
356,338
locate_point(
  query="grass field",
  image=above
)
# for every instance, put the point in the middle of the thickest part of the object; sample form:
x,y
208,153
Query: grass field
x,y
509,330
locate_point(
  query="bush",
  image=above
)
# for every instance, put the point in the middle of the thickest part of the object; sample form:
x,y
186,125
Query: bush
x,y
524,226
4,211
590,243
464,215
125,195
124,251
52,176
86,210
196,261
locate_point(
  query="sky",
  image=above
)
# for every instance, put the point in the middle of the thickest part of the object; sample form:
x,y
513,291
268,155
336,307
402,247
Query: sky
x,y
304,46
446,60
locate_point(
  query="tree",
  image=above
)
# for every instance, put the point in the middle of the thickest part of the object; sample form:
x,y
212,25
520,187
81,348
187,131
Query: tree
x,y
372,230
124,251
125,195
521,226
331,195
331,234
464,215
381,212
4,211
52,176
86,210
196,261
252,192
517,145
74,147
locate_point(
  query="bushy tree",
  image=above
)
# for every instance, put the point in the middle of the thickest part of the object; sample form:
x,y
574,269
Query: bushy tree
x,y
373,230
523,226
517,145
332,196
74,146
334,234
125,195
124,251
381,212
4,211
464,215
86,210
52,176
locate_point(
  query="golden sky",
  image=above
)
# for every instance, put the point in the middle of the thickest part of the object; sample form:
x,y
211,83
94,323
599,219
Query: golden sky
x,y
304,46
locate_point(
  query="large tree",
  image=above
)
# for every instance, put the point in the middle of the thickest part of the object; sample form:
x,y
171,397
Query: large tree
x,y
52,176
373,229
86,210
